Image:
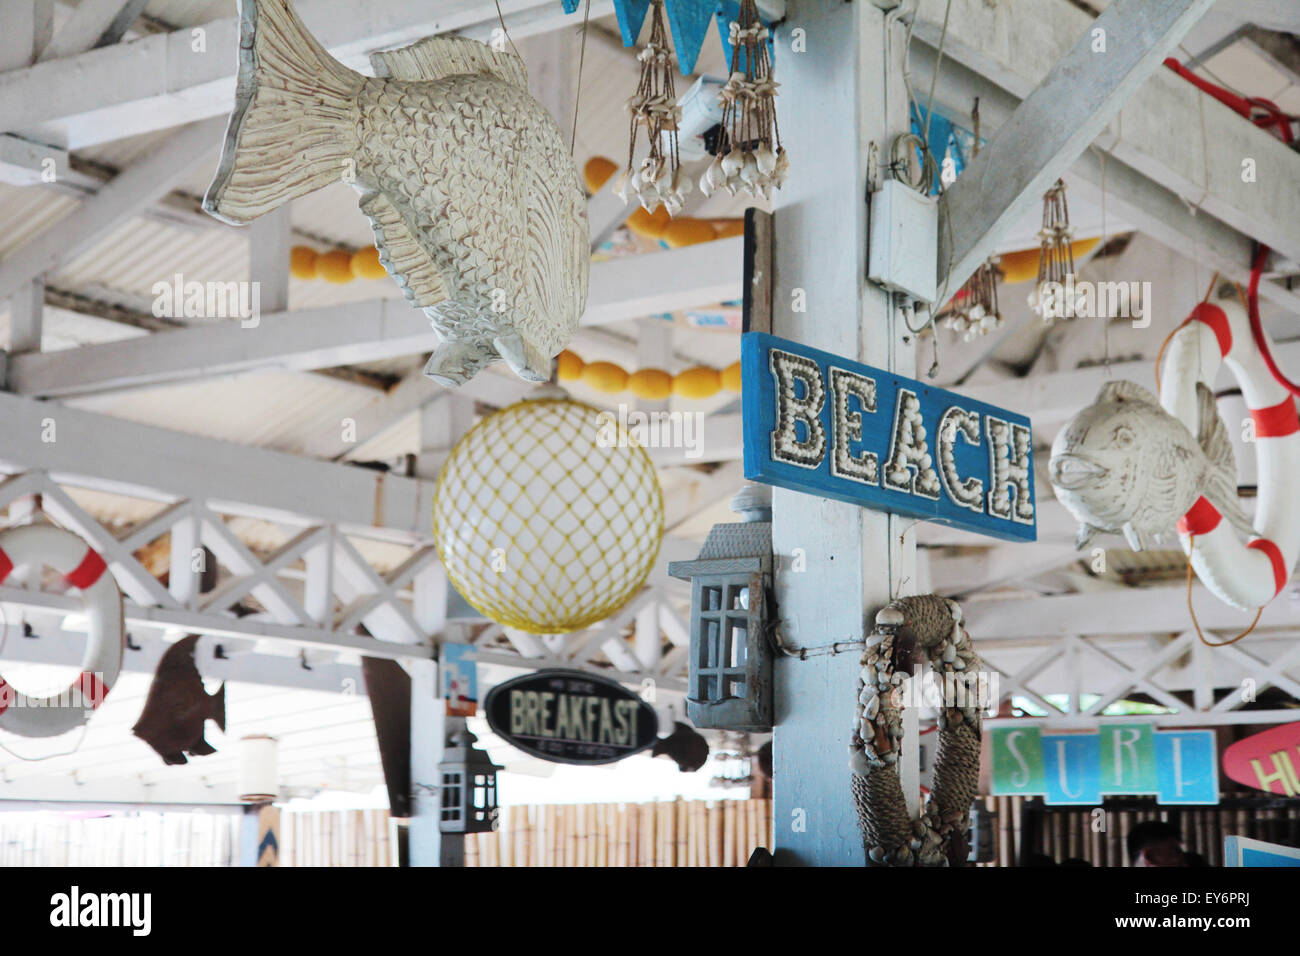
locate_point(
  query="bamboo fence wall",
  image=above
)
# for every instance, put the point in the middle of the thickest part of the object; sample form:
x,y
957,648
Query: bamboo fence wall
x,y
677,833
1073,834
680,833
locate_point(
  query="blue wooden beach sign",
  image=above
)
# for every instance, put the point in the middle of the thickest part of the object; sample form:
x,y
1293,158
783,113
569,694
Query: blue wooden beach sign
x,y
821,424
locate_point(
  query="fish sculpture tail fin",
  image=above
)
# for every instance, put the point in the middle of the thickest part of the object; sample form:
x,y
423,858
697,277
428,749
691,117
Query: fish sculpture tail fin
x,y
293,129
219,707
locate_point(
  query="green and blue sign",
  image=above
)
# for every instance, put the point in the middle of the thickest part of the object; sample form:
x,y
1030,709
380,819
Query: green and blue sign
x,y
1178,766
828,426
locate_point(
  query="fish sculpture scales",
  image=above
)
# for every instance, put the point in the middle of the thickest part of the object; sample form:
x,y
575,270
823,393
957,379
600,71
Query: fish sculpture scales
x,y
178,706
475,201
1124,464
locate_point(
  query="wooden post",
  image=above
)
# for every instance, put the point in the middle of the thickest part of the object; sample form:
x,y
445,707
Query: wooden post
x,y
839,98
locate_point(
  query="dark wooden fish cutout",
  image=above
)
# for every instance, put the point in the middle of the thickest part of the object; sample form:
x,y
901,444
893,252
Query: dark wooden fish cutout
x,y
389,688
178,705
685,746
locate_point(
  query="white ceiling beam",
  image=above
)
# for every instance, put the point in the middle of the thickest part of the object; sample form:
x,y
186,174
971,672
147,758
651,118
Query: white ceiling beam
x,y
110,454
1001,564
1067,109
1155,610
300,340
169,79
90,21
1280,15
135,188
362,331
1158,132
1148,203
29,24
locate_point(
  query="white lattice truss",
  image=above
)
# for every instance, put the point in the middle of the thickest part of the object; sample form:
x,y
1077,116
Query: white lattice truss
x,y
1220,681
320,592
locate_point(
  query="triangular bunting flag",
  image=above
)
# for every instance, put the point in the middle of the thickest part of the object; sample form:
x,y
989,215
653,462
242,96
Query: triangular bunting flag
x,y
631,14
689,21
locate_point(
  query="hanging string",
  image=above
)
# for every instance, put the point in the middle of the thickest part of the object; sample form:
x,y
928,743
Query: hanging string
x,y
582,58
1191,546
1161,354
502,20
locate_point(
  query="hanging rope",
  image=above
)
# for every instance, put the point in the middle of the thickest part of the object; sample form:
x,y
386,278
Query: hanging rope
x,y
1191,546
654,106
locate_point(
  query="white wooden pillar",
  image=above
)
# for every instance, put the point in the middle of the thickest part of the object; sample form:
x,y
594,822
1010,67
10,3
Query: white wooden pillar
x,y
428,736
835,560
26,317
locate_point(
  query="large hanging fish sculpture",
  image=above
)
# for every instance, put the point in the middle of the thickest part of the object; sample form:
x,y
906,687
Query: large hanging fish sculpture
x,y
1124,464
178,706
476,204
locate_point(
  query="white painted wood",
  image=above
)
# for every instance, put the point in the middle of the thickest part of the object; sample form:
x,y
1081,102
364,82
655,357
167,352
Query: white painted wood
x,y
1146,201
170,79
109,453
364,331
833,106
140,185
441,425
1064,113
1124,611
1280,15
28,26
89,21
269,241
26,314
428,738
349,437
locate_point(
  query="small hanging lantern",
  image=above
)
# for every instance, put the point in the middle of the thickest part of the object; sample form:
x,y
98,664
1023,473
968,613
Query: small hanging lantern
x,y
258,769
750,154
730,680
654,106
469,787
1055,256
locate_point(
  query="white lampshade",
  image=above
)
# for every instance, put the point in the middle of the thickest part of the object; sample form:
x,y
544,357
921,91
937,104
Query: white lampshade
x,y
259,776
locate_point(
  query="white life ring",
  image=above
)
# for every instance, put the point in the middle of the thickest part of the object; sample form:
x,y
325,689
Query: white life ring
x,y
83,568
1243,574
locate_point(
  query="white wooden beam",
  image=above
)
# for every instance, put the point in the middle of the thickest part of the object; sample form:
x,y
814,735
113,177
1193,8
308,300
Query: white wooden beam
x,y
1153,610
996,566
621,289
1146,201
28,26
1056,122
1279,15
269,241
26,315
1158,132
115,455
138,186
169,79
89,22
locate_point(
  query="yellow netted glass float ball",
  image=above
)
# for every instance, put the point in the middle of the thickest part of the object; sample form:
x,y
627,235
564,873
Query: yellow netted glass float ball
x,y
547,515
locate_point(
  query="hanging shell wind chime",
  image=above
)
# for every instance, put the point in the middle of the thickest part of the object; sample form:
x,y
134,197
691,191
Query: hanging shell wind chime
x,y
974,309
1055,256
658,179
750,155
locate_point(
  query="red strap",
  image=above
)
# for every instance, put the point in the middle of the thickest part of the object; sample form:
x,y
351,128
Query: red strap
x,y
6,695
1276,421
1217,320
87,572
5,567
92,689
1274,555
1201,518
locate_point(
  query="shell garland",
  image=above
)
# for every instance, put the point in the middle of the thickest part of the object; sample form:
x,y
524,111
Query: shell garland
x,y
659,178
876,739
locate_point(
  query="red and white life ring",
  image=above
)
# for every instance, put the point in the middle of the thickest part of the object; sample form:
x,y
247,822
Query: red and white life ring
x,y
1244,574
83,568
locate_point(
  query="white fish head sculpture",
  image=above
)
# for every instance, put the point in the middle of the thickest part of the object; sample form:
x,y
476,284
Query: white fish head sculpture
x,y
1100,460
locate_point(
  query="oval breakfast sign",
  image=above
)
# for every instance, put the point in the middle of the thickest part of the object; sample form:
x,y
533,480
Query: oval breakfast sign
x,y
571,717
828,426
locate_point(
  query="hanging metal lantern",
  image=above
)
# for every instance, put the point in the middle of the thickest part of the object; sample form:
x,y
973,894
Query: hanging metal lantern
x,y
730,680
469,787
